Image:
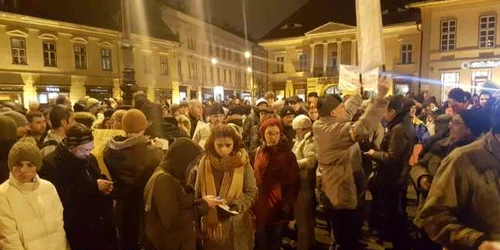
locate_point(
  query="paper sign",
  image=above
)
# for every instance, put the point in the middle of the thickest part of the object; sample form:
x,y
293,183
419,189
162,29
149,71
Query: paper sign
x,y
349,78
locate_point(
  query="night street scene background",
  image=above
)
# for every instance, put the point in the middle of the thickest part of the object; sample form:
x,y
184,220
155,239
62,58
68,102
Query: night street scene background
x,y
249,125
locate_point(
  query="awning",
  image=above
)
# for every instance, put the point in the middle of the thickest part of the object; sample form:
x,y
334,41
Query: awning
x,y
54,80
11,79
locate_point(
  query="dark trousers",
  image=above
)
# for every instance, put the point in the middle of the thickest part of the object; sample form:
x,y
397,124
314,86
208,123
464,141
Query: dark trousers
x,y
394,205
346,225
269,238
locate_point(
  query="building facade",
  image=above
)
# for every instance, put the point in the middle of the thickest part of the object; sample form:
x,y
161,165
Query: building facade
x,y
461,45
210,62
305,53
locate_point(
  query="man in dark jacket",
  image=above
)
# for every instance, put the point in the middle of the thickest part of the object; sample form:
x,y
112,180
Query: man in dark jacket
x,y
393,168
251,121
131,161
287,115
83,190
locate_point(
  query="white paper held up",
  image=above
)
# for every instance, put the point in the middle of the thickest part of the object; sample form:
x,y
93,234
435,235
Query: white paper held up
x,y
371,48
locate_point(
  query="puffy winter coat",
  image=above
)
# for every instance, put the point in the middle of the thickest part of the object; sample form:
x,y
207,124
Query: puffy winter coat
x,y
31,216
462,209
305,152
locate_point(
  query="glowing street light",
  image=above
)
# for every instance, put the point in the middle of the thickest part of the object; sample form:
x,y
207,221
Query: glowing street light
x,y
214,60
247,54
249,69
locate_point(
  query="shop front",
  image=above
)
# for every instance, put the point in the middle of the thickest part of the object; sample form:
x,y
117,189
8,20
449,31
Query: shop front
x,y
11,87
207,93
229,93
300,90
163,96
49,94
99,93
193,93
183,93
49,87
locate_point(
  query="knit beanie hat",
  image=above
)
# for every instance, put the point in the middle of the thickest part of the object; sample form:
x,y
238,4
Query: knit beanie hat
x,y
215,109
8,129
287,110
78,134
473,120
91,102
328,103
19,118
268,123
25,150
134,121
301,122
261,101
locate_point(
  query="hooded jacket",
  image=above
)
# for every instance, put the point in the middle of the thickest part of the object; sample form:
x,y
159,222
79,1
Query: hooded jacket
x,y
31,216
88,214
461,210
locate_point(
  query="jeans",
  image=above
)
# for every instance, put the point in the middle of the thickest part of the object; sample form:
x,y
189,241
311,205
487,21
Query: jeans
x,y
269,238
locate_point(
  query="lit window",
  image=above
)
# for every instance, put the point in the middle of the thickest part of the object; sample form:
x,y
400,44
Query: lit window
x,y
406,54
280,64
487,30
80,57
18,50
106,60
448,35
49,54
148,69
302,60
450,80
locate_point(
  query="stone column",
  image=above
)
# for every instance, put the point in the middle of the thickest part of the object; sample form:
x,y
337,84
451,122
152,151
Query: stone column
x,y
289,89
339,54
325,58
176,98
29,91
311,66
354,48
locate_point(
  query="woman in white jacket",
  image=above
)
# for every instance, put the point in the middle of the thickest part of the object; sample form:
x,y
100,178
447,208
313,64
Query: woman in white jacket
x,y
305,151
31,214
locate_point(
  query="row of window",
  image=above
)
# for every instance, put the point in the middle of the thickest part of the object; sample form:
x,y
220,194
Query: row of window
x,y
80,55
224,75
19,54
406,57
451,80
220,52
486,33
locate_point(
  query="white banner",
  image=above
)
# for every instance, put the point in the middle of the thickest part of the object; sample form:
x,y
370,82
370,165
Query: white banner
x,y
370,34
349,78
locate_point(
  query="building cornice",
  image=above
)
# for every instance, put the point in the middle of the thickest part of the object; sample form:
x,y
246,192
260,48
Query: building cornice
x,y
282,42
438,3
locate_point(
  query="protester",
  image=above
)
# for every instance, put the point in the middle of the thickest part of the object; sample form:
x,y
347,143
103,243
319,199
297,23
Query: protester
x,y
278,181
85,118
483,98
313,112
171,130
64,101
216,116
312,98
287,115
393,167
31,214
460,210
224,171
265,113
184,124
139,99
21,122
117,119
457,100
7,139
195,115
296,104
270,98
37,126
304,149
252,121
236,116
33,106
84,191
170,208
131,160
61,120
339,158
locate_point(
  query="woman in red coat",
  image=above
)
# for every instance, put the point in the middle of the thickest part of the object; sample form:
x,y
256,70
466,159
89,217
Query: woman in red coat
x,y
278,179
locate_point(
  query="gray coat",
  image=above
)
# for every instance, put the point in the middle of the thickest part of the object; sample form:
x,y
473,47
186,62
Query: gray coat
x,y
338,152
463,206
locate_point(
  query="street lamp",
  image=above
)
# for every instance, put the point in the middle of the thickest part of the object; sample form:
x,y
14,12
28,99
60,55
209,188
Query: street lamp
x,y
249,69
214,60
247,54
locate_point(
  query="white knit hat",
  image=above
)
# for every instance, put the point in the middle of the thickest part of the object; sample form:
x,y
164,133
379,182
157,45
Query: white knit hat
x,y
301,122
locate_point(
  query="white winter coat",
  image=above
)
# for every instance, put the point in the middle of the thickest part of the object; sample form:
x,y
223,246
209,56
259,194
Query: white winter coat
x,y
202,133
31,216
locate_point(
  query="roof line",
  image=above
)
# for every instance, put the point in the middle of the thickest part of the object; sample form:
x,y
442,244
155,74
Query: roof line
x,y
341,24
430,3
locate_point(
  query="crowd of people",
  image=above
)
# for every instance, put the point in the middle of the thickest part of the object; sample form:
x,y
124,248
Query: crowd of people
x,y
106,176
